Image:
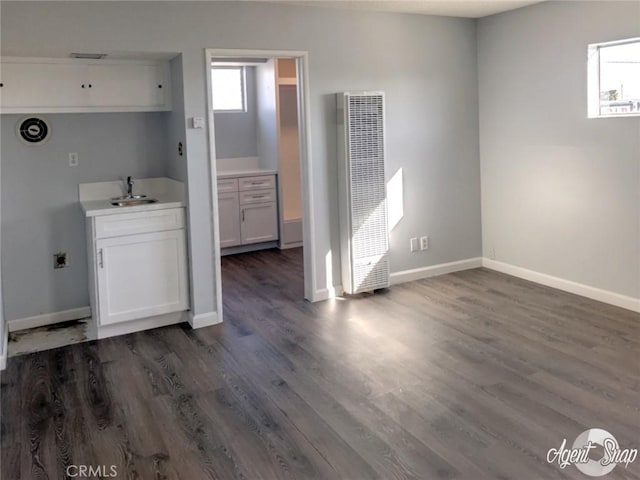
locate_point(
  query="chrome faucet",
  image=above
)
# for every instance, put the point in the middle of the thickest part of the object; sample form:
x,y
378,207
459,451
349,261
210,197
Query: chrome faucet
x,y
129,187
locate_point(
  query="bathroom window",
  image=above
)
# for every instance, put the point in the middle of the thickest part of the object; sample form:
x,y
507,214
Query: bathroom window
x,y
228,85
614,79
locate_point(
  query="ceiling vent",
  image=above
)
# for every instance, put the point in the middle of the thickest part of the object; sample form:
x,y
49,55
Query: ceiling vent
x,y
88,56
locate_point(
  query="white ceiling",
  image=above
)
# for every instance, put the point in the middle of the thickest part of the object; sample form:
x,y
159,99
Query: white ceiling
x,y
451,8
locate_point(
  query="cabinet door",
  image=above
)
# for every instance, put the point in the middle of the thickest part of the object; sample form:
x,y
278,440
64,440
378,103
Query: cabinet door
x,y
229,219
127,85
141,276
46,84
259,223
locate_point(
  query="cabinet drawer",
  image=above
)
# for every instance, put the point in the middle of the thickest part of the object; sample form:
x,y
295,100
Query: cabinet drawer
x,y
257,196
262,182
228,185
139,222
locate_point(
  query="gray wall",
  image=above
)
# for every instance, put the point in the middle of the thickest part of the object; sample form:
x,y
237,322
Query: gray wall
x,y
267,115
560,192
176,166
3,326
426,65
236,134
40,210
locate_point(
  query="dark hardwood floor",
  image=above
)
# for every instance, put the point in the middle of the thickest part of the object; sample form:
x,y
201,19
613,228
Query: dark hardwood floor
x,y
473,375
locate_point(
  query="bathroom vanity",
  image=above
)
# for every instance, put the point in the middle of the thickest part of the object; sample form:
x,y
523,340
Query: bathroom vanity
x,y
248,210
137,255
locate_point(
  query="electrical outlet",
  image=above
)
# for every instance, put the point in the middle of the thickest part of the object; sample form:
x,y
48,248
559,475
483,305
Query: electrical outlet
x,y
60,260
424,243
73,159
414,244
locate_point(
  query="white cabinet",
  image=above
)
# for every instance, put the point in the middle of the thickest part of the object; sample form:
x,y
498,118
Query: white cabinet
x,y
229,214
259,223
32,85
247,209
138,266
141,276
25,85
127,85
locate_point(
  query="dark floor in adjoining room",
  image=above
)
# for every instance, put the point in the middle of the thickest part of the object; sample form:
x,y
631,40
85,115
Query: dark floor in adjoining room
x,y
472,375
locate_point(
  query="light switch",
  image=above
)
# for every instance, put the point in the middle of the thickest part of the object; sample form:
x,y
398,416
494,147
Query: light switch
x,y
73,159
197,122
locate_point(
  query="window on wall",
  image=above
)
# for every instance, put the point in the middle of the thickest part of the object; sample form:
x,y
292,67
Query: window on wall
x,y
228,85
614,79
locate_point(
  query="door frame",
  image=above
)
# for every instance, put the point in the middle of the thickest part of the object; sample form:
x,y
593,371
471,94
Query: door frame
x,y
304,134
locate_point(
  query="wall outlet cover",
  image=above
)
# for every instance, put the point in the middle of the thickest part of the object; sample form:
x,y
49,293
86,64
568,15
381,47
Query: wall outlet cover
x,y
424,243
414,244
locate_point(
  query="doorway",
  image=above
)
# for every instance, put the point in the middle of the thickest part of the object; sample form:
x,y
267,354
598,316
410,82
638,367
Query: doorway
x,y
253,189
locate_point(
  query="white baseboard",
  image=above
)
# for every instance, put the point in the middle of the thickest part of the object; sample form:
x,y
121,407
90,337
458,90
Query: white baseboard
x,y
203,319
433,270
327,293
593,293
287,246
132,326
48,319
253,247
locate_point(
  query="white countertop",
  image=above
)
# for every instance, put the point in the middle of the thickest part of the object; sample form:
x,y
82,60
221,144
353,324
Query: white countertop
x,y
245,173
95,198
93,208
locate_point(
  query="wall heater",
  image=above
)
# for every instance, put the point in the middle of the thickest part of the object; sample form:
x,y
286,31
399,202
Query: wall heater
x,y
364,239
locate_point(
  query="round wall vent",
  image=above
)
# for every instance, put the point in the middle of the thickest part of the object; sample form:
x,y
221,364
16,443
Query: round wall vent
x,y
33,130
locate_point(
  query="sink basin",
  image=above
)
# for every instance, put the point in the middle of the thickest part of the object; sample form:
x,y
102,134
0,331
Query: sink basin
x,y
127,197
130,202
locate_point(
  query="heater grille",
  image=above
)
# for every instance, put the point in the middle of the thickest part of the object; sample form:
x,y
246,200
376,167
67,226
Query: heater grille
x,y
371,273
366,169
365,199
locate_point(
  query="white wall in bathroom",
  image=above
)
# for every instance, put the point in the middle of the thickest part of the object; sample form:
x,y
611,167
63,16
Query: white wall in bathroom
x,y
267,118
236,132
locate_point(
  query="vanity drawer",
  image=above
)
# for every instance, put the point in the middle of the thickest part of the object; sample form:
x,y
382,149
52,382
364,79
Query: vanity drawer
x,y
140,222
227,185
257,196
262,182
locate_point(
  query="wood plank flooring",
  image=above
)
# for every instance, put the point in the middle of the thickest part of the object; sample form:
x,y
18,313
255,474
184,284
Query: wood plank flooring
x,y
473,375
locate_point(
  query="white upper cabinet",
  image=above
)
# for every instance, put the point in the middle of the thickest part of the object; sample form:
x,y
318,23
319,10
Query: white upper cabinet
x,y
59,85
32,85
127,85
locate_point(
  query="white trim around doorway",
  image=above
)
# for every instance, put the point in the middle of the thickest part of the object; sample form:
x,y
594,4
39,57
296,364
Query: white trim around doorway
x,y
311,292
